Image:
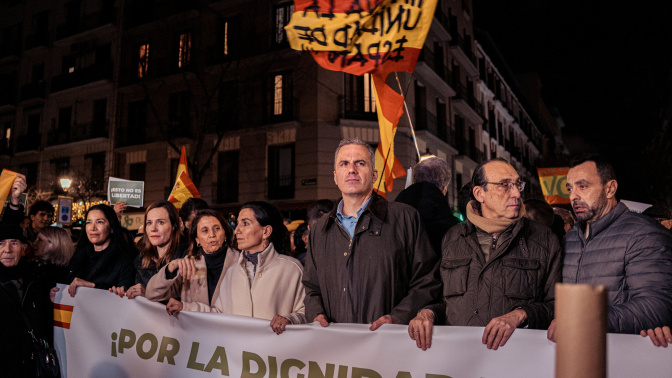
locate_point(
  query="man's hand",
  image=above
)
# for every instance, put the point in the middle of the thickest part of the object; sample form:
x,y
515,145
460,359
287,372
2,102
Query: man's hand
x,y
385,319
18,187
174,306
498,331
322,320
420,329
551,331
659,336
77,282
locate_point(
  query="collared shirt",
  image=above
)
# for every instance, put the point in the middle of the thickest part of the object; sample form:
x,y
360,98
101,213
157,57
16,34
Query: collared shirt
x,y
349,222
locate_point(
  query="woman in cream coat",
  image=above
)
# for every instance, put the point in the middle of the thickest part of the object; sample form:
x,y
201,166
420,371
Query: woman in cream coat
x,y
195,278
263,282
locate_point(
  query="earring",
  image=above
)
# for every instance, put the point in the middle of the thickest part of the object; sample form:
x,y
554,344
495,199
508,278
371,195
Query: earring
x,y
264,243
198,245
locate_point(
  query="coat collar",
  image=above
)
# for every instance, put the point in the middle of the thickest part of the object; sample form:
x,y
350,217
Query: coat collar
x,y
601,224
377,207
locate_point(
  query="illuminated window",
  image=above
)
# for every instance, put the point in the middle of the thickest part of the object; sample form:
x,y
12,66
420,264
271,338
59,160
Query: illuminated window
x,y
143,60
277,95
226,38
369,94
184,54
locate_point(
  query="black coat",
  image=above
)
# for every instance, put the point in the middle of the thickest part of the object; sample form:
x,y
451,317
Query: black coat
x,y
433,208
112,266
32,297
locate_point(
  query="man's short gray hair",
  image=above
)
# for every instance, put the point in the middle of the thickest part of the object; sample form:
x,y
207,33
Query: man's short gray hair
x,y
358,142
433,170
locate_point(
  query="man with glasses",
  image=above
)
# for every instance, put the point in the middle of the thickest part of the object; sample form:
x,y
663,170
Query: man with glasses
x,y
629,253
498,268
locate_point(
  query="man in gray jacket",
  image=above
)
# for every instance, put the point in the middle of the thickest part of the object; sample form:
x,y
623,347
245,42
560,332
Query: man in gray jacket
x,y
627,252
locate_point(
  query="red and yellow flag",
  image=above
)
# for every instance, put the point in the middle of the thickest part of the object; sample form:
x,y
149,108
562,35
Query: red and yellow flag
x,y
182,166
554,185
184,188
377,37
7,178
62,315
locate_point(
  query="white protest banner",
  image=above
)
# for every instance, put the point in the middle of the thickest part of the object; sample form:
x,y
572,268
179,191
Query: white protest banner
x,y
110,336
131,192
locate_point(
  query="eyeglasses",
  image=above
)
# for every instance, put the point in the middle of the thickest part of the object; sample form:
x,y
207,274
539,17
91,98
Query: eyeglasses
x,y
508,185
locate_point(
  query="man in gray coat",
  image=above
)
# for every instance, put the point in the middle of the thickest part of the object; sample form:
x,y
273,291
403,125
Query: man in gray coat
x,y
627,252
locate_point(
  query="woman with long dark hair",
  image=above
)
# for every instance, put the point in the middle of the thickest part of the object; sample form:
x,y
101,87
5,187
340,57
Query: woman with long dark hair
x,y
158,246
193,279
104,257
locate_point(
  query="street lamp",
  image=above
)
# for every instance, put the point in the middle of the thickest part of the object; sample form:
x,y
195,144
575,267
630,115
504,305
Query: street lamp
x,y
65,183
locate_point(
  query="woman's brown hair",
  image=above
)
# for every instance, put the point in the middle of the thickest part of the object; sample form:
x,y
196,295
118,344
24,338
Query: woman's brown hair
x,y
148,252
193,231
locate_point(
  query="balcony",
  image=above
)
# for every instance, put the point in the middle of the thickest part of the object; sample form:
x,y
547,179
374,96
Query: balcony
x,y
463,53
37,40
33,90
465,103
28,142
86,23
440,78
81,77
77,133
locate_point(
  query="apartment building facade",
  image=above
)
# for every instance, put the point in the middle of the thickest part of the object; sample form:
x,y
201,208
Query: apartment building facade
x,y
100,88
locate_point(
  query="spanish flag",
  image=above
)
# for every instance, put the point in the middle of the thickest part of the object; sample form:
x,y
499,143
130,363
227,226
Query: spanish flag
x,y
184,188
7,178
62,315
377,37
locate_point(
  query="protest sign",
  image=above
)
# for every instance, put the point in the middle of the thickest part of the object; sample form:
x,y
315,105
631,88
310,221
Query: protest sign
x,y
99,334
64,210
131,192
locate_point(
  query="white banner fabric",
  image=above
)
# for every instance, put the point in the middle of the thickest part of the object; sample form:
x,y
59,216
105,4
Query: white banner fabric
x,y
116,337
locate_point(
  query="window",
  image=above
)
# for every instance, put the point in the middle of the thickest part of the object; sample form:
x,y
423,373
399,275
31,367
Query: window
x,y
281,97
143,60
37,73
60,167
360,97
283,13
137,120
420,106
227,176
230,32
178,114
441,120
99,121
30,171
137,171
281,172
96,162
228,106
64,120
184,50
33,124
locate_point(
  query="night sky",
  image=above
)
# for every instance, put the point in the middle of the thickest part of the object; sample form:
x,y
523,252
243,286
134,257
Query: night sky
x,y
605,65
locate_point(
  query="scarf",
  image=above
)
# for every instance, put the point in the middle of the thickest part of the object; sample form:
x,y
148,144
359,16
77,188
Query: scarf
x,y
491,226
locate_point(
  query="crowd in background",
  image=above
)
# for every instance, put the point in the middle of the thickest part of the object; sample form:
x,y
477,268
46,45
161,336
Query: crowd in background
x,y
198,259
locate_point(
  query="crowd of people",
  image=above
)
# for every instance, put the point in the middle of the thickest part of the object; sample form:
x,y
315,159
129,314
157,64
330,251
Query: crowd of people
x,y
362,259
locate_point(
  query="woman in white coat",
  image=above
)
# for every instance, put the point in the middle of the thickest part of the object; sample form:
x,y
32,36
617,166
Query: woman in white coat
x,y
263,282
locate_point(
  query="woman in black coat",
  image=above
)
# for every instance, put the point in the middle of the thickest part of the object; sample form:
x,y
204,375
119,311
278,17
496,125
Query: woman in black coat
x,y
104,256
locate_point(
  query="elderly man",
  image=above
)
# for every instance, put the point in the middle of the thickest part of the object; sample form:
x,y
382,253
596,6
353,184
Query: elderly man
x,y
629,253
428,195
369,260
498,268
20,292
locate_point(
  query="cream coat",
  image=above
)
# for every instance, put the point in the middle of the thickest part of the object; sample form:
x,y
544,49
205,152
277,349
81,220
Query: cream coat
x,y
276,288
194,292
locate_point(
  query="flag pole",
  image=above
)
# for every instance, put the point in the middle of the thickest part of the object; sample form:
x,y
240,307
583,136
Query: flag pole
x,y
415,141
